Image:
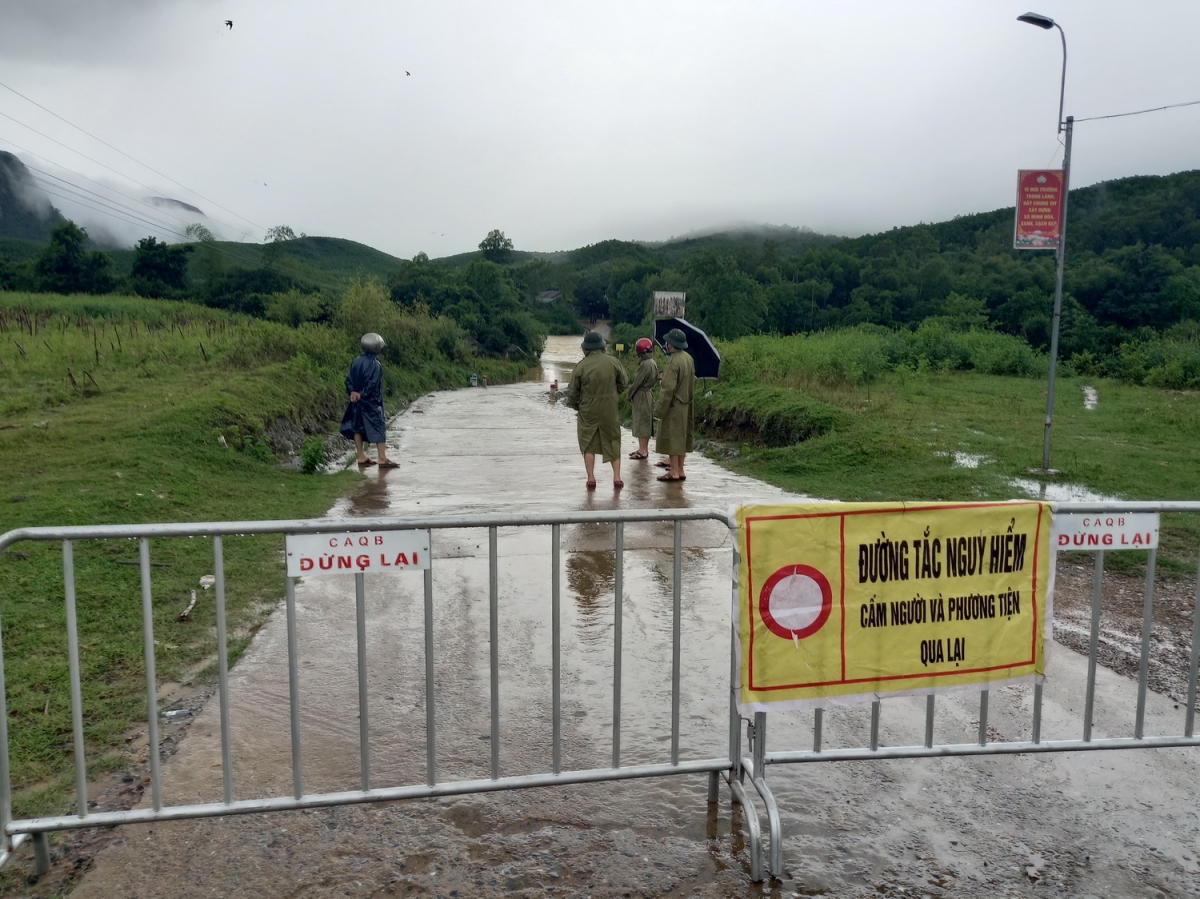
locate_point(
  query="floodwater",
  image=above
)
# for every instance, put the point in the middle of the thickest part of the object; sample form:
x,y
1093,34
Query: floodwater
x,y
959,827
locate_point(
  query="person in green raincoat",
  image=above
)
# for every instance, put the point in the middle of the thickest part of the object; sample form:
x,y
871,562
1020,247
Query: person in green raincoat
x,y
641,397
596,384
675,409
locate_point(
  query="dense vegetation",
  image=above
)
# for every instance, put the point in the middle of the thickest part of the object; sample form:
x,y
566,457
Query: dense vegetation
x,y
119,409
867,415
1132,278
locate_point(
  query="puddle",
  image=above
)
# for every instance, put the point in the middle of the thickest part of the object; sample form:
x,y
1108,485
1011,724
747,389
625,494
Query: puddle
x,y
1061,493
965,460
1090,398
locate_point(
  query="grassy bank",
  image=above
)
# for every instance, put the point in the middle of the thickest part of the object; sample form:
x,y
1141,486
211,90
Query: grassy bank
x,y
119,410
836,416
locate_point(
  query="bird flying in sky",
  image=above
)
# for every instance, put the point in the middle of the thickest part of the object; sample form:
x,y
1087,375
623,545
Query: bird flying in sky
x,y
408,73
229,24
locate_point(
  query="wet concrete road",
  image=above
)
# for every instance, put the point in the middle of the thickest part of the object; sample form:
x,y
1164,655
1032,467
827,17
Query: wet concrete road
x,y
1107,824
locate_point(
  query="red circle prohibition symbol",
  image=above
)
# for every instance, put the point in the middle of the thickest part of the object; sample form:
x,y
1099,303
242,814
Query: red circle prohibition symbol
x,y
802,596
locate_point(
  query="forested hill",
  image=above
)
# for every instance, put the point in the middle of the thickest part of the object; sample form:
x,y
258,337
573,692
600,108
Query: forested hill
x,y
25,212
1149,209
1133,267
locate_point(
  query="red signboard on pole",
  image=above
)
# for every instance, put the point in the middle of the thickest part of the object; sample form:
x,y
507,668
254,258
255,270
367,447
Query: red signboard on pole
x,y
1039,209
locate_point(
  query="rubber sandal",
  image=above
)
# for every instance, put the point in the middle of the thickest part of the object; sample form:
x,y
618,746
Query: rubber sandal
x,y
666,478
617,485
663,464
636,455
591,485
389,464
366,462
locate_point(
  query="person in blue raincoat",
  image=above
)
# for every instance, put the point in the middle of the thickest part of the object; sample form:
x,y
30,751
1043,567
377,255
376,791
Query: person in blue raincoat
x,y
365,421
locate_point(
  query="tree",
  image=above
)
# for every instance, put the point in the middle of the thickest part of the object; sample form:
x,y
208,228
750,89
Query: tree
x,y
210,264
496,247
590,297
730,303
279,234
198,232
630,303
66,267
159,269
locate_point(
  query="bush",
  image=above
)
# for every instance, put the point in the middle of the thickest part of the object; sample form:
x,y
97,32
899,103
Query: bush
x,y
312,456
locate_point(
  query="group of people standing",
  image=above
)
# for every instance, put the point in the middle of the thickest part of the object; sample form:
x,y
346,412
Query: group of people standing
x,y
596,385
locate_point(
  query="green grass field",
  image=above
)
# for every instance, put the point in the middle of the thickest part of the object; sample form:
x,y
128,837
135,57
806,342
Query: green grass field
x,y
123,409
114,410
111,410
903,434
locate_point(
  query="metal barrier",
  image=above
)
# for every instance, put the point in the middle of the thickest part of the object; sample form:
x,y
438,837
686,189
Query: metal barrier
x,y
755,763
765,848
16,830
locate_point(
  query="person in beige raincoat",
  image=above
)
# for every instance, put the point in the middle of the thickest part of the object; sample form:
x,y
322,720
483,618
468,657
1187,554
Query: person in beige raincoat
x,y
641,397
675,409
596,384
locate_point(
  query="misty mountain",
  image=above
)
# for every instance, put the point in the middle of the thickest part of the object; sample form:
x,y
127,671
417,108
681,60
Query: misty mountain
x,y
24,210
171,204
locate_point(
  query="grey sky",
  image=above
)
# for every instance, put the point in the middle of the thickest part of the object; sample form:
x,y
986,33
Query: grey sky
x,y
565,123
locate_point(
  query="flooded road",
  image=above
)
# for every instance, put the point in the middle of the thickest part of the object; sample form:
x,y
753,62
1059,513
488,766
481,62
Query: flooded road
x,y
1109,824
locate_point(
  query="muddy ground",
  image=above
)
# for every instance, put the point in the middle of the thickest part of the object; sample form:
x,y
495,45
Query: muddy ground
x,y
559,843
1104,824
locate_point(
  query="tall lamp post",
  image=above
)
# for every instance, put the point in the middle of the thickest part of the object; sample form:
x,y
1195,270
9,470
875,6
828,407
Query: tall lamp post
x,y
1066,125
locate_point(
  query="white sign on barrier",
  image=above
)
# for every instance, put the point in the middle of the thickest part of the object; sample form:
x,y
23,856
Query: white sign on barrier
x,y
355,551
1106,530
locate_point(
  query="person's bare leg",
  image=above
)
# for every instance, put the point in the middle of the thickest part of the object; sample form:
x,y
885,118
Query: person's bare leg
x,y
644,447
358,445
589,465
676,468
616,464
381,452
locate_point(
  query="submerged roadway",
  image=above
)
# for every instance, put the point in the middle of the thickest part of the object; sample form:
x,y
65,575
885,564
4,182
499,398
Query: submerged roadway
x,y
1076,824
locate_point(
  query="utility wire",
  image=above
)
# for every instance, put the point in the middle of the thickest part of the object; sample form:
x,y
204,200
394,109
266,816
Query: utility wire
x,y
109,211
78,194
129,216
1119,115
224,251
90,159
116,203
127,156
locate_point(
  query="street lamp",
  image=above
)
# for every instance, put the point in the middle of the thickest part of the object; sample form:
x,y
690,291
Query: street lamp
x,y
1066,125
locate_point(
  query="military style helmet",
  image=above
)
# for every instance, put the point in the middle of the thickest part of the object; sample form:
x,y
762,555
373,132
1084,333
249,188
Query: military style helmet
x,y
644,345
372,343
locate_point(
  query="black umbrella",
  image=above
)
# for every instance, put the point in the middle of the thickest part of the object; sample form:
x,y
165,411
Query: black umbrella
x,y
700,348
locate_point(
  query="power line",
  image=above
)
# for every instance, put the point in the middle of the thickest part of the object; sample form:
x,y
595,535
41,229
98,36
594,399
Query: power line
x,y
117,203
1119,115
127,156
78,197
111,212
90,159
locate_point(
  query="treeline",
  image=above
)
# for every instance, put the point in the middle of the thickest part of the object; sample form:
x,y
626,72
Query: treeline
x,y
1133,271
479,309
1132,277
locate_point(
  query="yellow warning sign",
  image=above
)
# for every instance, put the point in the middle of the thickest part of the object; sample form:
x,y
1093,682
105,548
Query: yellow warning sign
x,y
844,602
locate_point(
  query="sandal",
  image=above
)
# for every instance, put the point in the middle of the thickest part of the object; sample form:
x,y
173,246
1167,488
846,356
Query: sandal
x,y
366,462
667,478
591,485
638,455
617,485
663,464
389,464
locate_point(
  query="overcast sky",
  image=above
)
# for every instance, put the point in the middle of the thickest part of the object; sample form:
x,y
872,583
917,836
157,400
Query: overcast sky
x,y
566,122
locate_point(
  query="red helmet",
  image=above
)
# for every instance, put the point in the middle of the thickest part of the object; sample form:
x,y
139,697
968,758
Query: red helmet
x,y
644,345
